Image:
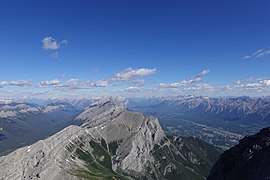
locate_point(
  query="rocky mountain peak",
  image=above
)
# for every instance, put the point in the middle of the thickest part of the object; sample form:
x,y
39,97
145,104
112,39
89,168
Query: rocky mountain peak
x,y
104,109
112,143
126,136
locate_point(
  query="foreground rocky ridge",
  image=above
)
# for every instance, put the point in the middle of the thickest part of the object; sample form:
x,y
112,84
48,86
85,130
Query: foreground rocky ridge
x,y
111,143
249,160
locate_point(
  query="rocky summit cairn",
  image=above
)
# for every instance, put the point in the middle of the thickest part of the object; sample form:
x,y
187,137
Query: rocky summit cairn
x,y
249,160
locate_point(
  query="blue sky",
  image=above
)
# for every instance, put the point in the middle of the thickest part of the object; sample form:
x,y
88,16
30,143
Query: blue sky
x,y
134,48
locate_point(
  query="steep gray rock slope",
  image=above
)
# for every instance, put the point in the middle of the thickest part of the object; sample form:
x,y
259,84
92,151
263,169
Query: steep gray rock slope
x,y
22,124
249,160
112,143
106,121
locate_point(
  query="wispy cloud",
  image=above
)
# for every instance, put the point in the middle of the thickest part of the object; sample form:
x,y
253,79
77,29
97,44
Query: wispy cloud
x,y
54,55
138,82
94,71
129,74
20,83
73,84
134,89
3,84
102,83
48,83
257,54
201,86
51,44
185,82
252,84
133,79
204,72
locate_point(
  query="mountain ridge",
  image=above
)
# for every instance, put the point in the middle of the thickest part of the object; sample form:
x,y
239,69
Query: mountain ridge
x,y
111,143
247,160
230,108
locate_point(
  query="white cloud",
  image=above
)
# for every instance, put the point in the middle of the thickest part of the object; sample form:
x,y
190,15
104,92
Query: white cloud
x,y
135,89
48,83
75,84
251,84
204,72
49,43
259,53
186,82
266,82
102,83
129,74
138,82
3,84
21,83
203,86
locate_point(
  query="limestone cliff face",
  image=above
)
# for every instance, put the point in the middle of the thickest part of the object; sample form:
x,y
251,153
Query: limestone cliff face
x,y
249,160
108,131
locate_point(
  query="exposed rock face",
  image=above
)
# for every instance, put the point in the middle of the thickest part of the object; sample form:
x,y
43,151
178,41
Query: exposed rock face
x,y
112,143
107,120
24,123
42,160
249,160
138,134
102,111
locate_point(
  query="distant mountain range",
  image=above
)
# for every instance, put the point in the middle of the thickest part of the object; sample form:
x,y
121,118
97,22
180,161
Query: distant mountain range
x,y
24,123
227,108
112,143
221,121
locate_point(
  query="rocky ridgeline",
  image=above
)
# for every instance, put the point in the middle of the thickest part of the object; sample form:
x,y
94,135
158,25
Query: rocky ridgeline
x,y
43,159
106,121
112,143
249,160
